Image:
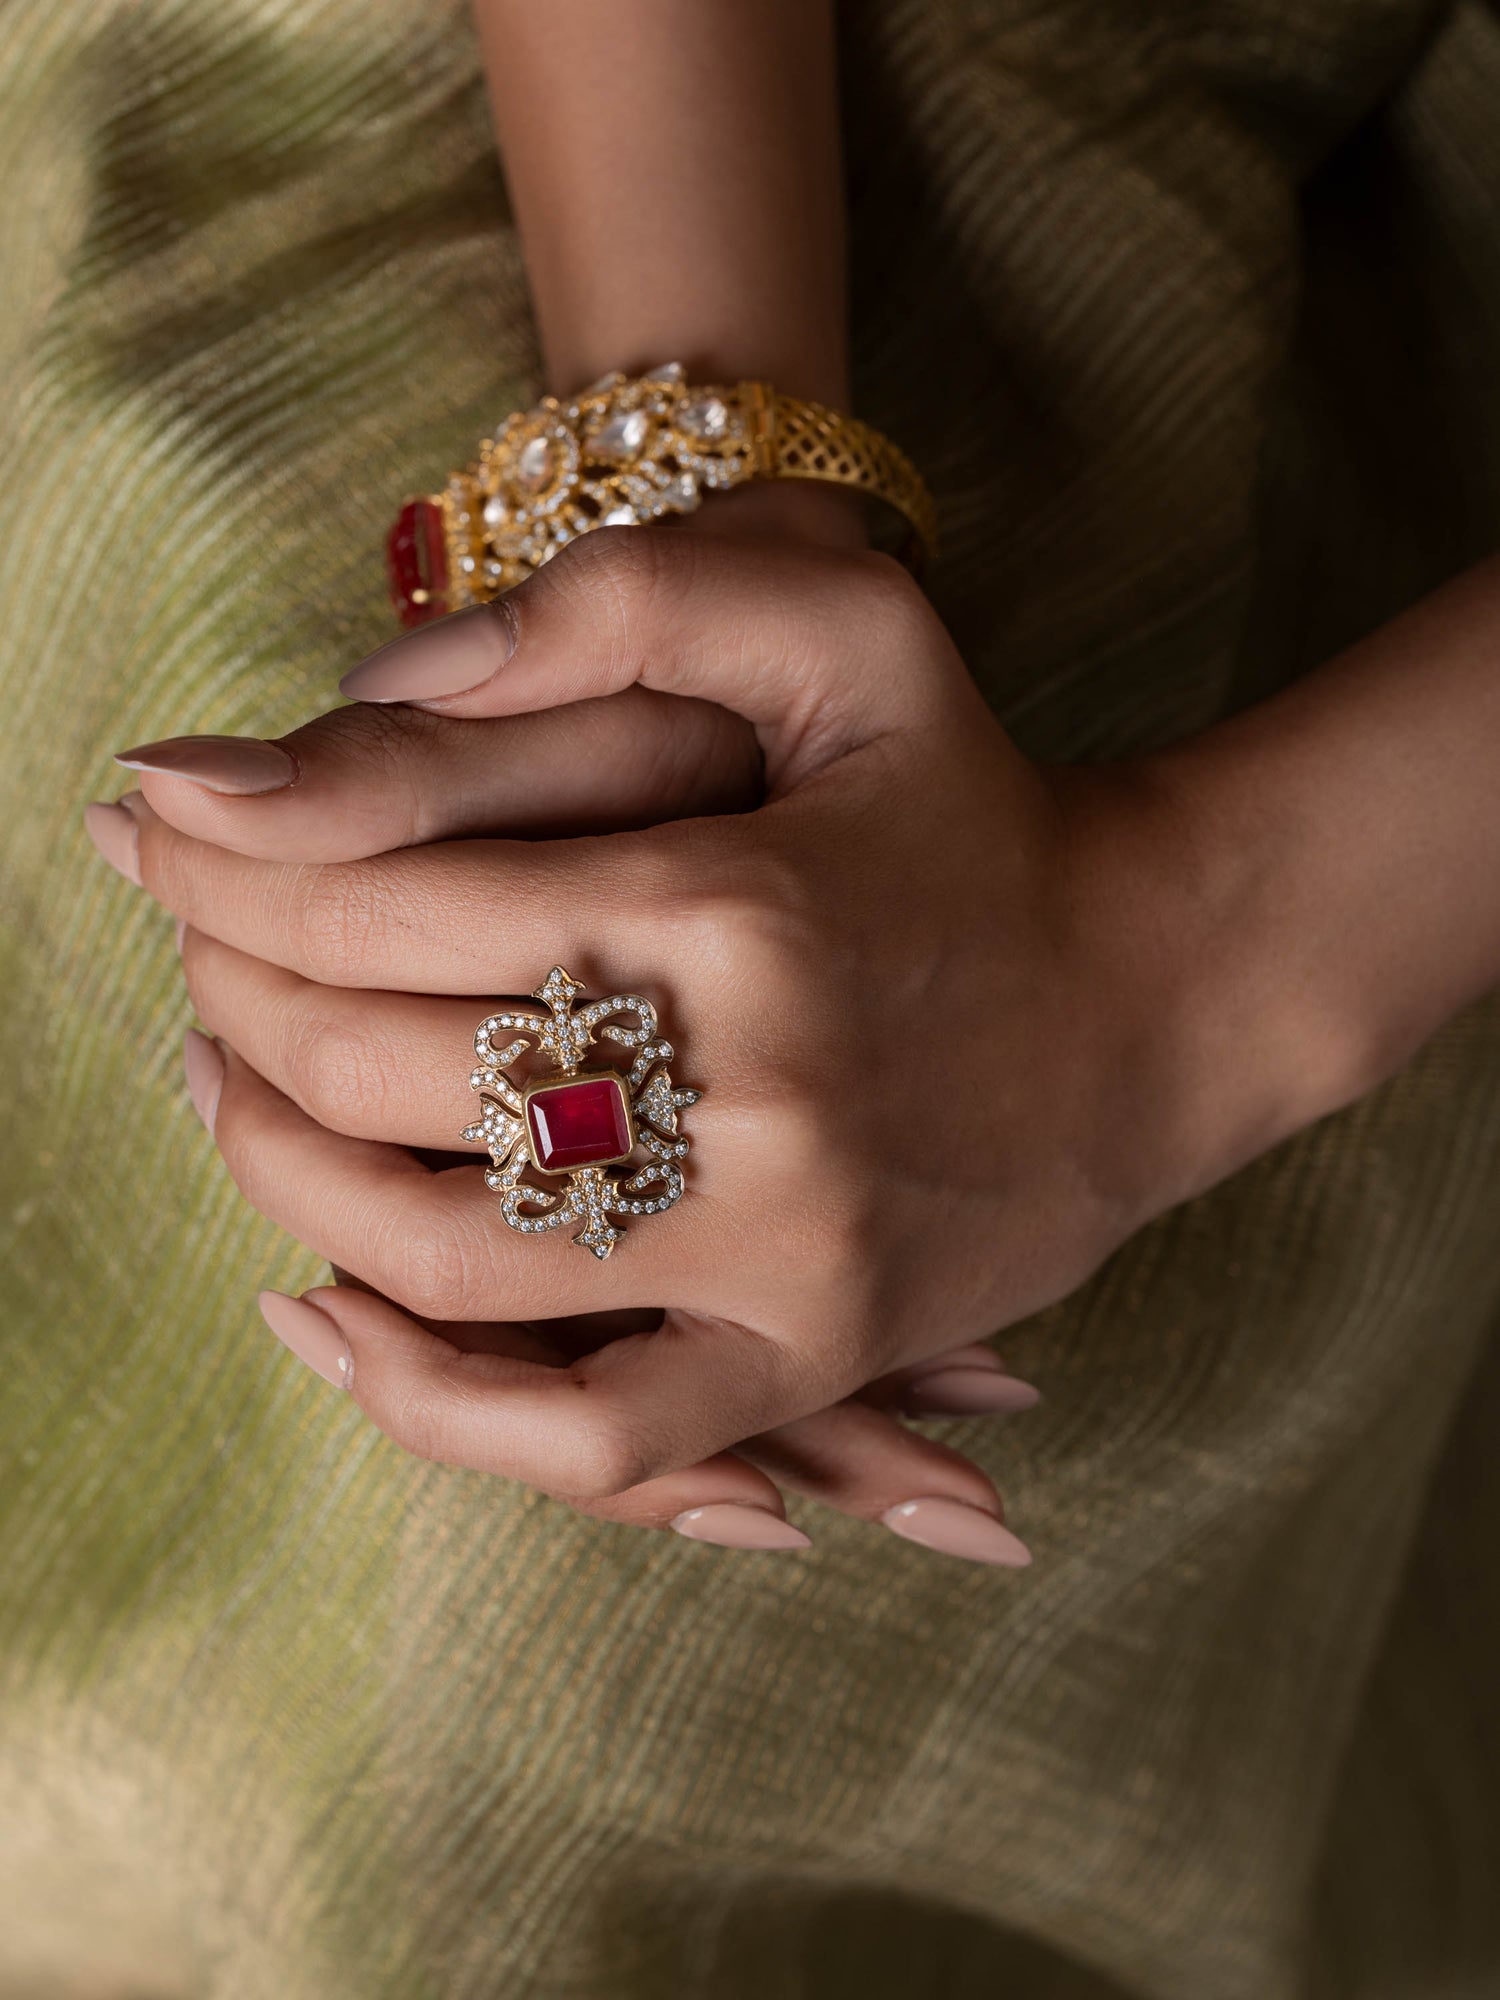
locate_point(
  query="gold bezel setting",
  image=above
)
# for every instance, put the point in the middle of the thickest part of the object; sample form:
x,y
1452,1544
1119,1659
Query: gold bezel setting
x,y
549,1086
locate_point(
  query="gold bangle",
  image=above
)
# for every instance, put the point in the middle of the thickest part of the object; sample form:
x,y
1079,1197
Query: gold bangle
x,y
626,451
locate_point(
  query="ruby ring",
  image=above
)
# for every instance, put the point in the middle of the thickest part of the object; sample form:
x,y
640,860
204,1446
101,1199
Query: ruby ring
x,y
601,1141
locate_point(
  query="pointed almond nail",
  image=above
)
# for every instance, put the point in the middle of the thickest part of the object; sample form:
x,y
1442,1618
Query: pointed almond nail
x,y
203,1063
450,656
115,834
311,1335
962,1392
737,1524
955,1529
234,766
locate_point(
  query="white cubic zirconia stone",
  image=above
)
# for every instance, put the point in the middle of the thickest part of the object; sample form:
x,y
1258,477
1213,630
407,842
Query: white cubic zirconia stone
x,y
705,417
624,435
534,466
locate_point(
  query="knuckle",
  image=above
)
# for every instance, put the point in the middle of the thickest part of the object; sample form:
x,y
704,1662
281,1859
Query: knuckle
x,y
604,1458
748,905
373,755
886,588
331,910
334,1071
409,1417
615,579
431,1273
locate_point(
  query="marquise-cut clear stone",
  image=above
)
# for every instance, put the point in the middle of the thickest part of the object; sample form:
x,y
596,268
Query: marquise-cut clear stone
x,y
682,494
705,417
534,467
619,517
496,513
624,435
669,371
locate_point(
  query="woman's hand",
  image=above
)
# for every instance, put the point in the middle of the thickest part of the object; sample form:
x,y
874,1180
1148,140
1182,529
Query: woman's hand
x,y
947,1012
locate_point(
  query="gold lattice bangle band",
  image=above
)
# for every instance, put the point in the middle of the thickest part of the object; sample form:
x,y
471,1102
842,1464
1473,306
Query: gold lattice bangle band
x,y
623,452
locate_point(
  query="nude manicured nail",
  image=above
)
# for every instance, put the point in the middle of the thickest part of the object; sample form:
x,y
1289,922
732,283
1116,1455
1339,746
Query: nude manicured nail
x,y
310,1334
239,767
955,1529
976,1355
203,1064
736,1524
115,834
450,656
971,1391
179,932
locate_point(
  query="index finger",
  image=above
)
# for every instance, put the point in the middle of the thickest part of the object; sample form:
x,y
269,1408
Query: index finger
x,y
361,780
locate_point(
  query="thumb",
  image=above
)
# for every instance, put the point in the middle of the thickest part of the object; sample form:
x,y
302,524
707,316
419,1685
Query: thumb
x,y
819,650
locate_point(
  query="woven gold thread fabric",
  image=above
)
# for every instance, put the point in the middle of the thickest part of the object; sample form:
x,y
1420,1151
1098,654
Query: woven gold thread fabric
x,y
1192,316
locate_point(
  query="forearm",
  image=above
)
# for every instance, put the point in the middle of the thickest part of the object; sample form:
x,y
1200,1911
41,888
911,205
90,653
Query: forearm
x,y
1340,849
674,168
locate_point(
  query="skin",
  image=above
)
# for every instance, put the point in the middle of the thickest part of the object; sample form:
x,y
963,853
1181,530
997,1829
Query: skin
x,y
1157,969
1197,953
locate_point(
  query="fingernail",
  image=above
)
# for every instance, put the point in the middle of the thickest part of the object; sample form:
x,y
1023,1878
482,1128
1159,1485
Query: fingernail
x,y
179,931
450,656
203,1063
737,1524
956,1529
117,838
978,1355
970,1391
311,1335
239,767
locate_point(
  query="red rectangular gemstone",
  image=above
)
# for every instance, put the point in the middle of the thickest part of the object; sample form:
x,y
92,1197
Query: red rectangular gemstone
x,y
417,562
583,1123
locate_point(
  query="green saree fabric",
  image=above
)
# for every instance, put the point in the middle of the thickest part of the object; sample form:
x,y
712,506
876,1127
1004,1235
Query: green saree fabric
x,y
1192,313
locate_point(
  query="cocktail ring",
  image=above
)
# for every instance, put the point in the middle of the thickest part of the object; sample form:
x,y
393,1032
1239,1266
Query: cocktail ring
x,y
587,1126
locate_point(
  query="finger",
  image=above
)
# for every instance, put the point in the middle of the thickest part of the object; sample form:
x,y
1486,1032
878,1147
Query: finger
x,y
820,651
471,916
724,1500
369,1064
862,1462
433,1241
578,1432
361,780
850,1458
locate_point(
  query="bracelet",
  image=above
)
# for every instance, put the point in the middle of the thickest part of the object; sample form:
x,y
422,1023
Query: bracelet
x,y
623,452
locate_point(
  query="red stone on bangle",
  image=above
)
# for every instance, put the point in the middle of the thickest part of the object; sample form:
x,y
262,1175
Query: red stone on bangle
x,y
582,1123
417,563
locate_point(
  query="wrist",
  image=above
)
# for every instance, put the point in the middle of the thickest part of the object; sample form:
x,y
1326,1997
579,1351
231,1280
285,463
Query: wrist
x,y
1221,1033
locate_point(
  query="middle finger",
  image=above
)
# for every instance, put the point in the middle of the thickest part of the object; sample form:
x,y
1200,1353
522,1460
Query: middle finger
x,y
469,916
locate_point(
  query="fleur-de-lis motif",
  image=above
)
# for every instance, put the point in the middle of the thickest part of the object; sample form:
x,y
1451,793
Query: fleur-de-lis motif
x,y
603,1179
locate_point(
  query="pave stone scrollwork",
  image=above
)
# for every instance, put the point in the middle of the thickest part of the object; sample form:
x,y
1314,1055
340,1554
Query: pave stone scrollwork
x,y
562,1037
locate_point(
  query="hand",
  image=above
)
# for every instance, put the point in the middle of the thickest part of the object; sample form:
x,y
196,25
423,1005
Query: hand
x,y
924,985
362,779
